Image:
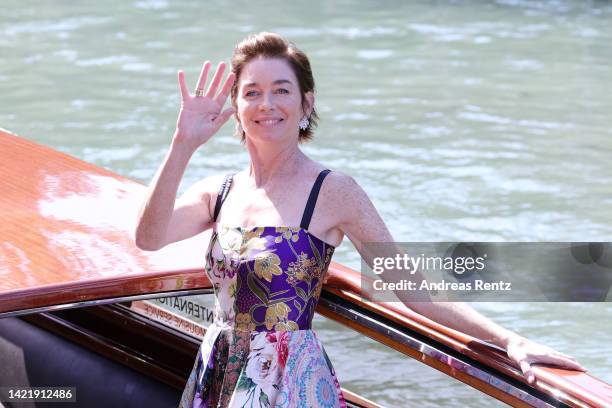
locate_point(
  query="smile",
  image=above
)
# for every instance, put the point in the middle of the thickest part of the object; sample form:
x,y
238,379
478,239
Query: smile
x,y
268,122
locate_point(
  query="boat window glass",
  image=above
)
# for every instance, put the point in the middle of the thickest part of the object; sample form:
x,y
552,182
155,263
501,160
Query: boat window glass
x,y
189,314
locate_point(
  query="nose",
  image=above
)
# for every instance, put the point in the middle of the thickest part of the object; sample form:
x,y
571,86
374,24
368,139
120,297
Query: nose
x,y
266,102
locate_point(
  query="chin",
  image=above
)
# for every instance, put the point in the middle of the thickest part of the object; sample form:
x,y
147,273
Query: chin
x,y
268,136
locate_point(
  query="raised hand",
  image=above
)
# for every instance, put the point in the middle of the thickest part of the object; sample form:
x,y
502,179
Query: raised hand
x,y
200,116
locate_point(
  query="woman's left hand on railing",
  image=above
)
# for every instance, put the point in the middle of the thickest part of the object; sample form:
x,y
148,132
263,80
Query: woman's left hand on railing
x,y
525,353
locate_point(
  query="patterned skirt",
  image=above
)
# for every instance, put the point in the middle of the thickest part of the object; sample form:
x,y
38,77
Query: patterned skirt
x,y
261,369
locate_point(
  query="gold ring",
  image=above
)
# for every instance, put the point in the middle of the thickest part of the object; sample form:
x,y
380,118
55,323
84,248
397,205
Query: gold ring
x,y
199,92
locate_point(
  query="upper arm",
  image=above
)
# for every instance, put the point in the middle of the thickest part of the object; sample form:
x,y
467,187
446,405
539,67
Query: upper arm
x,y
192,212
363,225
360,220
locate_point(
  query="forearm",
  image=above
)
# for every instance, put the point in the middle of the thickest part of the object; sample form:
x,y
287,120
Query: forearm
x,y
463,318
156,210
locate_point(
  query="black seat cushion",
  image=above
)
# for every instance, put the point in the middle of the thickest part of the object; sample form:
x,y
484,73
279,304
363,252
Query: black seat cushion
x,y
30,356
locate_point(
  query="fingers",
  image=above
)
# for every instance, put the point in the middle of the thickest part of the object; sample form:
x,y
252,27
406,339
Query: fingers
x,y
565,362
223,117
527,371
203,75
214,85
183,86
575,365
225,91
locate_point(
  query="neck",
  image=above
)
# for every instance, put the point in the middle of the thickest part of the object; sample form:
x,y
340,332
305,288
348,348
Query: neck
x,y
269,162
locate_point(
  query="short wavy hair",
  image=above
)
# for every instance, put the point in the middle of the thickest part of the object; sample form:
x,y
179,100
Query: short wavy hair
x,y
271,45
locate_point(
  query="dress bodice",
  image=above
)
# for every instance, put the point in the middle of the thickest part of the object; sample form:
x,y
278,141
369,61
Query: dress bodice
x,y
266,278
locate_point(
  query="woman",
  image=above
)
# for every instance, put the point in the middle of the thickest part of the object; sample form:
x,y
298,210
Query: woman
x,y
275,227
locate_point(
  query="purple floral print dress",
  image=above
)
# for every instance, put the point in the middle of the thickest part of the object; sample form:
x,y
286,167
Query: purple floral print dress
x,y
260,350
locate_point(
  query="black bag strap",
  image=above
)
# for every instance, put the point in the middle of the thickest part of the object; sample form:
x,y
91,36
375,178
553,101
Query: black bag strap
x,y
312,199
223,191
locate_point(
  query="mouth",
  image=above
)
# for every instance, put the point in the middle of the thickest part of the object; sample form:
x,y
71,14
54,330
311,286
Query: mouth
x,y
269,122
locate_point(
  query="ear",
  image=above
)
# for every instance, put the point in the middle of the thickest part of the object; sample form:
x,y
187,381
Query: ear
x,y
309,100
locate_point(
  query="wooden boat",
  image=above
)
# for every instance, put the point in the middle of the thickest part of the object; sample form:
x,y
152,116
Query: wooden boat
x,y
74,290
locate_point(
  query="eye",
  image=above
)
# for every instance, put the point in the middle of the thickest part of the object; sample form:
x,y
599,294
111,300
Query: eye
x,y
282,90
250,93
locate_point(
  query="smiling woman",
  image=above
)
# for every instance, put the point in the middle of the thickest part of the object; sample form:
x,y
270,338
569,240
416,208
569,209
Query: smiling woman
x,y
275,227
268,255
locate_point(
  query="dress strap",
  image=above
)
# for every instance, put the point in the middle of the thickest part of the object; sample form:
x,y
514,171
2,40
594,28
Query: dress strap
x,y
223,191
312,199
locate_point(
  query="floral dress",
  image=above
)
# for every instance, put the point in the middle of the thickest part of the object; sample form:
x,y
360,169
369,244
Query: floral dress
x,y
260,350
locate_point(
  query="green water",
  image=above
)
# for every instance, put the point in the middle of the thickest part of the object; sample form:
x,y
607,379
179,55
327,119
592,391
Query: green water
x,y
463,120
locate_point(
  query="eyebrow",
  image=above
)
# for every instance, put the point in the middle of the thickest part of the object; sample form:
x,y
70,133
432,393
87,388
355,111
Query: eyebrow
x,y
277,82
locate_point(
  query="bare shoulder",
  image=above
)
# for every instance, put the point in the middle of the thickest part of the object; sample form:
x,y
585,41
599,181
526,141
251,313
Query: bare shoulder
x,y
342,181
203,191
343,190
344,201
353,211
192,211
207,186
211,184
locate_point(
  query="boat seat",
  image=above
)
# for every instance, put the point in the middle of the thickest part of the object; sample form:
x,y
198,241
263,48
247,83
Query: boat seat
x,y
31,356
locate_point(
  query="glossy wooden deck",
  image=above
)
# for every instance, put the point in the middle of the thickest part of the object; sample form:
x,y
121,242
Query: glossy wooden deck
x,y
65,233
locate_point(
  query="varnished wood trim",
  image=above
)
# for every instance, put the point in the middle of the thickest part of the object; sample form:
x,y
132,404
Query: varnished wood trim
x,y
434,354
574,388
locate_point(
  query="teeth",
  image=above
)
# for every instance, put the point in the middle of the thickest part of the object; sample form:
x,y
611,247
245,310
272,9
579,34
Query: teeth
x,y
269,122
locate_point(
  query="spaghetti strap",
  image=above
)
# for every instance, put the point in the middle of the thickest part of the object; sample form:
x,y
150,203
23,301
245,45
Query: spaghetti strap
x,y
312,199
223,191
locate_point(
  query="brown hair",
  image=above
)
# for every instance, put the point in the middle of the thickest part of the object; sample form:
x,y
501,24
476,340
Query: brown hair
x,y
270,45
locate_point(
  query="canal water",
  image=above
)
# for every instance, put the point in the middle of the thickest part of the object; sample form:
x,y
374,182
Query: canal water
x,y
463,121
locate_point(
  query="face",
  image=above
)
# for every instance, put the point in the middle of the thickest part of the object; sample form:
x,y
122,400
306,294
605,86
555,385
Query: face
x,y
269,104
